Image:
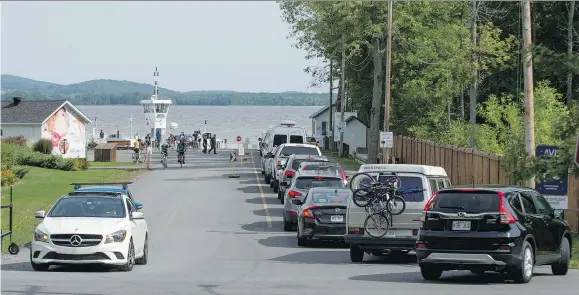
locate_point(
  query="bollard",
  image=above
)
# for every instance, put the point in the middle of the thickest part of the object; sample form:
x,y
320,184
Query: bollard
x,y
233,159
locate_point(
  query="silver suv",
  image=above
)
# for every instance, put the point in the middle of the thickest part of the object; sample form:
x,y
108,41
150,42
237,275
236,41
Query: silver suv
x,y
291,166
299,186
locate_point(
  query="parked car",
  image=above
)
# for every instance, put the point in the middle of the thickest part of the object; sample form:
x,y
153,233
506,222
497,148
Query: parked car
x,y
290,167
402,234
326,166
298,187
322,215
276,161
106,187
492,228
285,132
90,228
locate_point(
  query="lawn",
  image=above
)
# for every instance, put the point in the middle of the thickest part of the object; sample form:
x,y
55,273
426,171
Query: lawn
x,y
347,163
40,188
114,164
575,253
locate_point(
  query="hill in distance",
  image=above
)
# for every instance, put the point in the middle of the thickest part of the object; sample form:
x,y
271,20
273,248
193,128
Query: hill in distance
x,y
111,92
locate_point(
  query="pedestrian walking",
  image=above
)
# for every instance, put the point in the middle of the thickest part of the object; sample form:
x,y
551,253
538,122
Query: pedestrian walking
x,y
204,144
213,144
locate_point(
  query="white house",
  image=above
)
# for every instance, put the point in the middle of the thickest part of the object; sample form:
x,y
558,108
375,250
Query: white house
x,y
321,121
356,134
57,120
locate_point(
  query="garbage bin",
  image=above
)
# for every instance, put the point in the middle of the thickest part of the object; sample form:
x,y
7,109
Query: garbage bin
x,y
105,152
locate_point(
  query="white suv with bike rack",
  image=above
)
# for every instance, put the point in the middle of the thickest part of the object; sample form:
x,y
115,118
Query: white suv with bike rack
x,y
402,233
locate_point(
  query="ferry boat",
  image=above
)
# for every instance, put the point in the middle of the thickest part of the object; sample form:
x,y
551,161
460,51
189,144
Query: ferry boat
x,y
156,110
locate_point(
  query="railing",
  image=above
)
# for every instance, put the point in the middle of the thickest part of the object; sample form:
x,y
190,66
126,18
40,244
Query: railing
x,y
12,248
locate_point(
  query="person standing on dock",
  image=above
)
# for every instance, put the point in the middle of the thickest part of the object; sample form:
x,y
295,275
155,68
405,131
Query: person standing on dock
x,y
102,135
204,143
213,144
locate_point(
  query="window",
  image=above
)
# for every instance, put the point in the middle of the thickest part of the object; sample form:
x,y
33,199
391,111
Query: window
x,y
334,196
306,183
433,186
90,206
542,205
324,128
516,203
131,206
296,164
296,139
528,203
442,183
279,139
408,183
469,202
299,150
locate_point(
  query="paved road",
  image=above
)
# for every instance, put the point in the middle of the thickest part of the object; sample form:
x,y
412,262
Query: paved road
x,y
213,235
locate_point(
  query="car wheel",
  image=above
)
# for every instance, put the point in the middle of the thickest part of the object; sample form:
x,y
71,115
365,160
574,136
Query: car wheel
x,y
302,242
287,226
145,258
130,258
524,272
266,179
356,254
38,266
561,268
430,272
262,172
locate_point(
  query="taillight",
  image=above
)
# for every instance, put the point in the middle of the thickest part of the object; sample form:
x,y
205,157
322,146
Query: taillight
x,y
427,207
294,194
290,172
344,174
506,216
308,212
420,245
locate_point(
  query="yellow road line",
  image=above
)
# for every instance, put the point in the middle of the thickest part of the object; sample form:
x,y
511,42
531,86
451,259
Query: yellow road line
x,y
261,194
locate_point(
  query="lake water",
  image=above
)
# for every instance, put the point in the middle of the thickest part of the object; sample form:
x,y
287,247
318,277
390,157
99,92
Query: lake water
x,y
227,122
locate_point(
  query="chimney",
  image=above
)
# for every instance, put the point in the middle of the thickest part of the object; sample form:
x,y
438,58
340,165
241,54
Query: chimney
x,y
17,100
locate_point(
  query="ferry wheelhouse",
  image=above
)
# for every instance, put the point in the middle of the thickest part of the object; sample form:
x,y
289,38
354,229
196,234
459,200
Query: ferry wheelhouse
x,y
156,110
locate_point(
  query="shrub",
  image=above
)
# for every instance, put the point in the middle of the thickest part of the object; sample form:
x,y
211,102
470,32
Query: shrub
x,y
43,146
20,140
8,177
12,154
48,161
80,164
20,172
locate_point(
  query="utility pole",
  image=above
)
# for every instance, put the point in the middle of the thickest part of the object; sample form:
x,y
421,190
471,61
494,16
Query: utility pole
x,y
474,82
570,51
331,138
388,80
528,86
343,100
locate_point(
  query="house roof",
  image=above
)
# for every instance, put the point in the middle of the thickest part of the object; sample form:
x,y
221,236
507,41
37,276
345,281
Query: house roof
x,y
357,119
319,112
35,111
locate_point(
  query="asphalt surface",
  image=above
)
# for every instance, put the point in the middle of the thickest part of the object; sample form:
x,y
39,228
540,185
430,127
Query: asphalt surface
x,y
211,234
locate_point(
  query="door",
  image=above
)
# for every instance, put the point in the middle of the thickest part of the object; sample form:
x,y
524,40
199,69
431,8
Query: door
x,y
137,228
536,223
545,210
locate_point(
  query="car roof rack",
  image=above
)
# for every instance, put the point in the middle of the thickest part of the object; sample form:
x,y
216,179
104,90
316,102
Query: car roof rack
x,y
78,185
100,194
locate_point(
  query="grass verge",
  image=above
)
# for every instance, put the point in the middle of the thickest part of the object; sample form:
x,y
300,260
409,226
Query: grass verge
x,y
346,162
575,252
113,164
40,188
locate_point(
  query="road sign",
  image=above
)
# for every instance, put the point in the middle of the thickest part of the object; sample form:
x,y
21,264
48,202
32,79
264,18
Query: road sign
x,y
238,139
386,139
241,150
232,157
342,126
577,151
551,187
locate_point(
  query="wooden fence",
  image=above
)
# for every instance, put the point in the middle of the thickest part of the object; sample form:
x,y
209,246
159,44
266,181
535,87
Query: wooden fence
x,y
468,166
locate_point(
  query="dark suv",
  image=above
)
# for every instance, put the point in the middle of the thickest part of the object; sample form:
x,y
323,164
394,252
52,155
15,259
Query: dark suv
x,y
491,228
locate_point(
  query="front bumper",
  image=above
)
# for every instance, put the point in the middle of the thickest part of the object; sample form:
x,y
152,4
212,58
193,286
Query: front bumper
x,y
384,243
110,254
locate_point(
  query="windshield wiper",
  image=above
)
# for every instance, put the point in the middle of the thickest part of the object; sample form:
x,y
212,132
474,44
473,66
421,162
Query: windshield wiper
x,y
452,207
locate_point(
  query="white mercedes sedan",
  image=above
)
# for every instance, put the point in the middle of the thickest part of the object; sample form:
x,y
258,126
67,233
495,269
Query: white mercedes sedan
x,y
90,228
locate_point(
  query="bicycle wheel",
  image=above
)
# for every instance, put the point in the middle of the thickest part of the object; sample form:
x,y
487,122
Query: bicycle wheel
x,y
377,225
396,205
361,180
362,197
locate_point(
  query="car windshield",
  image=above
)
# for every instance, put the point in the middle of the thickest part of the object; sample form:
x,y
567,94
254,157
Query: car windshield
x,y
305,183
93,206
469,202
299,150
326,168
335,196
409,183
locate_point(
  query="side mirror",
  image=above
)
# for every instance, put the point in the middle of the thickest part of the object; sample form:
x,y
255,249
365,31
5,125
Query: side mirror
x,y
297,202
259,139
138,206
283,183
40,214
137,215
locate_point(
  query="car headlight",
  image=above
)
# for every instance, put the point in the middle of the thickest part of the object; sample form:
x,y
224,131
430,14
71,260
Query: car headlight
x,y
116,237
40,236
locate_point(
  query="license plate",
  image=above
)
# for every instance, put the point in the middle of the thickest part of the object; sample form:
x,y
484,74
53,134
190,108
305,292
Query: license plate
x,y
460,225
337,218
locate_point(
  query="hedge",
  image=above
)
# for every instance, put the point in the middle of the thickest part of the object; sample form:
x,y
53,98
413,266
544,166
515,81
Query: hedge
x,y
17,154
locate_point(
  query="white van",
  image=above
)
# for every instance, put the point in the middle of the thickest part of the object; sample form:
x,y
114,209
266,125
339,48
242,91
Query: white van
x,y
286,132
401,237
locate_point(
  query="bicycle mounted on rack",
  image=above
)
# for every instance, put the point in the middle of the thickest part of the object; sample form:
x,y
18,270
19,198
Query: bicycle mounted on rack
x,y
380,200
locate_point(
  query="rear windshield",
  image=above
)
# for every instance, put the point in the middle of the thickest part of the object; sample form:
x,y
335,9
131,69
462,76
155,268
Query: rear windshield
x,y
279,139
296,139
469,202
409,183
299,150
297,162
327,168
331,196
306,183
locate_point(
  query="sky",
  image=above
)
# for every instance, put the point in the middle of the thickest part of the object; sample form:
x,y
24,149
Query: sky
x,y
212,45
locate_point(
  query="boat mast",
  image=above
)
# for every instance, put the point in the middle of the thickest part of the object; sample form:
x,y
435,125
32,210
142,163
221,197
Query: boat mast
x,y
156,93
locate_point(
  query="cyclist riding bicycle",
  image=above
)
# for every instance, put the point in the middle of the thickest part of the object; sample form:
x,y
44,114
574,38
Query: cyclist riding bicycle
x,y
181,150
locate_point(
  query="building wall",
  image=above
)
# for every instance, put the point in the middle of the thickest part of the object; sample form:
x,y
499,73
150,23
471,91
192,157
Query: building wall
x,y
325,117
32,132
67,131
355,135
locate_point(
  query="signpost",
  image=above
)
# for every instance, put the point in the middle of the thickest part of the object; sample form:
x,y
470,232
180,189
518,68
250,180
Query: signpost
x,y
386,139
554,189
233,159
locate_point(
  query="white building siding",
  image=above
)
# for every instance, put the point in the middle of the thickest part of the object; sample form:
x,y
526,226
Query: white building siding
x,y
317,122
31,132
355,135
